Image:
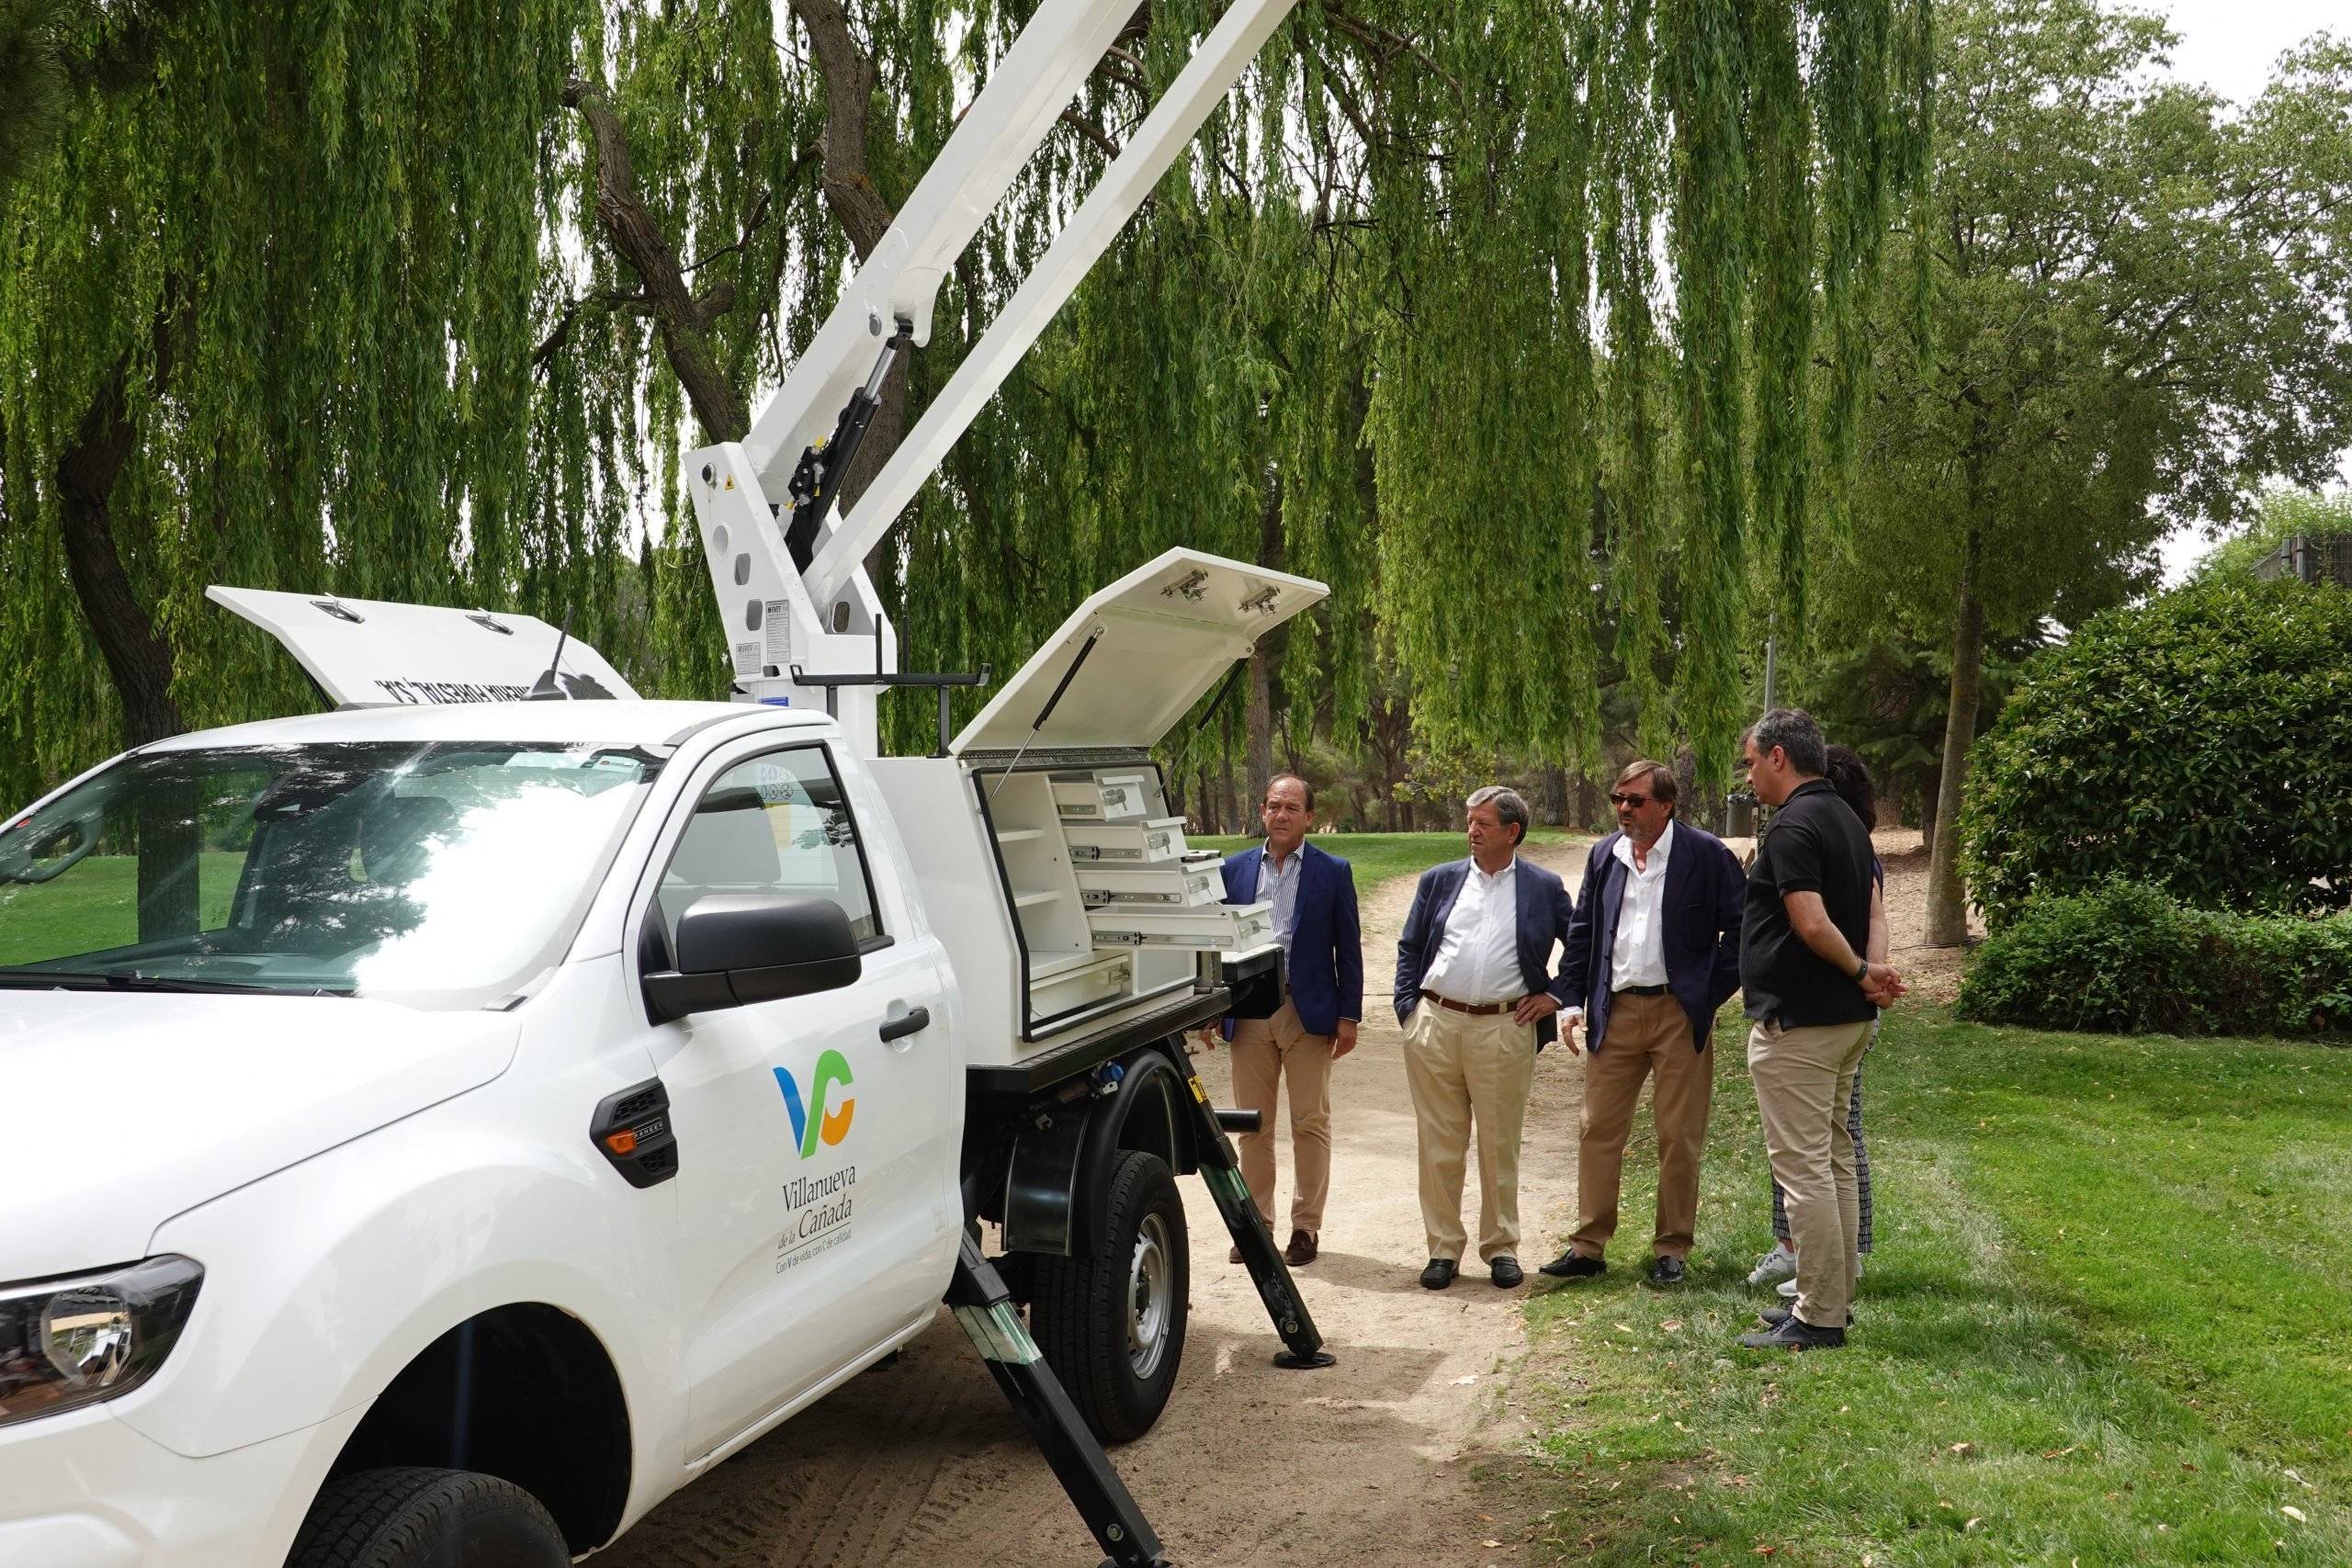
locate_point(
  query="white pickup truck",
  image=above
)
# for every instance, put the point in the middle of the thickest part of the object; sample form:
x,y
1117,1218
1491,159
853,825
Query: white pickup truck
x,y
444,1129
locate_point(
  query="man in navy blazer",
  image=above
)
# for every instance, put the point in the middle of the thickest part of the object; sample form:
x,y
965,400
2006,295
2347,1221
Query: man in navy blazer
x,y
1476,995
1652,952
1314,895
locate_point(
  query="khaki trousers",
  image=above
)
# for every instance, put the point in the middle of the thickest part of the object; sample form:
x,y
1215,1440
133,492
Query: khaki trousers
x,y
1464,1070
1268,1052
1805,1077
1647,1037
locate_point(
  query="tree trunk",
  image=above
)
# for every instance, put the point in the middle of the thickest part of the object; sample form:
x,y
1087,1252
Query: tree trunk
x,y
1267,654
1930,785
682,318
1947,899
137,656
856,203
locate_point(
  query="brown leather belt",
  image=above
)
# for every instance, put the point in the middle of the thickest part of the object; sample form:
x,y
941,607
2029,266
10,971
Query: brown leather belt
x,y
1476,1010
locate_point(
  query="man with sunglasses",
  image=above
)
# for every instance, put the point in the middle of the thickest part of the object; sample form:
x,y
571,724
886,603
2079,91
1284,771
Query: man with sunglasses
x,y
1653,951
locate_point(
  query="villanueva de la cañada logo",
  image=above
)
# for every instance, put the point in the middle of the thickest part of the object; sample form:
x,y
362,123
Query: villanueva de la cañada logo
x,y
810,1119
817,1208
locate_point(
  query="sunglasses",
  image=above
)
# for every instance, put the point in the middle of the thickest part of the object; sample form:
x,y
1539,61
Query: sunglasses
x,y
1630,802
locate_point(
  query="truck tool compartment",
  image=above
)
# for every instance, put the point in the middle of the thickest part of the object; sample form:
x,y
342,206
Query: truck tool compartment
x,y
1077,904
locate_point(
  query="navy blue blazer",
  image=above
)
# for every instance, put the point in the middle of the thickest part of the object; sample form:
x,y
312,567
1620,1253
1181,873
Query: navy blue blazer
x,y
1544,916
1704,889
1326,967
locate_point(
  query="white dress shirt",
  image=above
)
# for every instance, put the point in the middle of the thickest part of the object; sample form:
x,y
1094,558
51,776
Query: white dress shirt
x,y
1638,956
1477,959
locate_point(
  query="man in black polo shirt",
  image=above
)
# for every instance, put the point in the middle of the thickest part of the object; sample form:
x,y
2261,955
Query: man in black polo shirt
x,y
1812,995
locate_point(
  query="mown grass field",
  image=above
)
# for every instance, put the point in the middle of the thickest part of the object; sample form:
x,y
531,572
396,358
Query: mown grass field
x,y
2108,1320
1376,857
95,905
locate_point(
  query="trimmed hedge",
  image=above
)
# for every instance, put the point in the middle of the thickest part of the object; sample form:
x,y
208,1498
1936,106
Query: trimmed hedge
x,y
2201,743
2124,958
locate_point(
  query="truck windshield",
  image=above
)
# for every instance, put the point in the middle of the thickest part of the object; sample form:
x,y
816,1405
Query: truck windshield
x,y
442,874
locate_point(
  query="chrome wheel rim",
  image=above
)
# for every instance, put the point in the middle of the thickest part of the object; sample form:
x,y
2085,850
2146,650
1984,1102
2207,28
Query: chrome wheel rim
x,y
1150,1311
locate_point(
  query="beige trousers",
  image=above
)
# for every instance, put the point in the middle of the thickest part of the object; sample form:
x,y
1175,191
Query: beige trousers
x,y
1267,1052
1648,1037
1805,1077
1464,1070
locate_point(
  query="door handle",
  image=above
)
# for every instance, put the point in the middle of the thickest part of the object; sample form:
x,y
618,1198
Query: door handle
x,y
914,1019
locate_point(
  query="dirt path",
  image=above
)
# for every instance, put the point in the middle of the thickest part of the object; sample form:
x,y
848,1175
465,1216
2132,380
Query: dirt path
x,y
1365,1463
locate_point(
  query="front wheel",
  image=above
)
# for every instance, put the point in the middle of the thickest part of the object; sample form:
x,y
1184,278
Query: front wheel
x,y
1112,1323
416,1518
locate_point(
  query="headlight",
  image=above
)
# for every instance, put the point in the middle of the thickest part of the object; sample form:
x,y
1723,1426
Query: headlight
x,y
76,1341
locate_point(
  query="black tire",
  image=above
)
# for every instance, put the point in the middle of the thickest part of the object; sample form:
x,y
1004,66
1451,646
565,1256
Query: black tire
x,y
415,1517
1112,1323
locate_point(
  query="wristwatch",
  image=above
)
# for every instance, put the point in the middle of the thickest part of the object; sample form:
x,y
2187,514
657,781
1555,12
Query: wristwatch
x,y
1865,970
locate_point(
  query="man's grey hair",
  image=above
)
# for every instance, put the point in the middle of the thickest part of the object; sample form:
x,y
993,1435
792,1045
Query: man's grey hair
x,y
1796,732
1510,807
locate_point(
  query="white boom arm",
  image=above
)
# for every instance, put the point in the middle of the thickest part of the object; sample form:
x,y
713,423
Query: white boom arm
x,y
825,618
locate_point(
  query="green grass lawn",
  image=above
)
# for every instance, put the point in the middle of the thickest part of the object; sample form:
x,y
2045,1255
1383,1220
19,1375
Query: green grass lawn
x,y
95,905
2110,1319
1376,857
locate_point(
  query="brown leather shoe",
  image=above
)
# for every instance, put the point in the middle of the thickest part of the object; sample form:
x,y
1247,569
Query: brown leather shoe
x,y
1301,1251
1234,1256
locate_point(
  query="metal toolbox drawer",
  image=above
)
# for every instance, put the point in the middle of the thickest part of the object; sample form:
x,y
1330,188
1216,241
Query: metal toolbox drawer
x,y
1216,927
1106,798
1067,982
1152,840
1181,883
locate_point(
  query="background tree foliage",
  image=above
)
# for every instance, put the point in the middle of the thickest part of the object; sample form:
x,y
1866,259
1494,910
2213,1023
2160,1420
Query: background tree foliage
x,y
2133,316
2201,744
1505,322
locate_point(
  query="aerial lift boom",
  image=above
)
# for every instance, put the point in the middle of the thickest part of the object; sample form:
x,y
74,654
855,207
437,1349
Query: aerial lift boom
x,y
786,565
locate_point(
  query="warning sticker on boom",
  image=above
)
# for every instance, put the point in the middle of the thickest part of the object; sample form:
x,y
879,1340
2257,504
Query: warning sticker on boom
x,y
777,619
747,659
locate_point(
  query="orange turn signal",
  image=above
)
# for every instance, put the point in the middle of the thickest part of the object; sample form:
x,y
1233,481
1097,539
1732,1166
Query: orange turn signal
x,y
621,1143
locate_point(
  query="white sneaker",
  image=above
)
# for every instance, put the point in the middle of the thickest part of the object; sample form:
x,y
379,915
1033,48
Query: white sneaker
x,y
1778,1264
1788,1287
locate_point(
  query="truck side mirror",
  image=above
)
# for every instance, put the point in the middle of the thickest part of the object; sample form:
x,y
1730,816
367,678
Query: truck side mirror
x,y
735,949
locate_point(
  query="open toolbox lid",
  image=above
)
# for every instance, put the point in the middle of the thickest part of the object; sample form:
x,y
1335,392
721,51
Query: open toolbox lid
x,y
1144,649
374,653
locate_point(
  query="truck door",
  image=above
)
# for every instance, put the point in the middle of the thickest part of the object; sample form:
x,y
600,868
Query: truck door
x,y
818,1204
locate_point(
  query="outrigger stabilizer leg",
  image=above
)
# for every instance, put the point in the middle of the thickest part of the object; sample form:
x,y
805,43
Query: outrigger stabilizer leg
x,y
984,1307
1221,1168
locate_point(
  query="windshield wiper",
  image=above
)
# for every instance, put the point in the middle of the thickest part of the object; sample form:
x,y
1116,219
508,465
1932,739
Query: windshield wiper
x,y
134,980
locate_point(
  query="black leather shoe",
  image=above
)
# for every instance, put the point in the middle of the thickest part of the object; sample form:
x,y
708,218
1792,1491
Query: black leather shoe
x,y
1794,1332
1570,1266
1503,1269
1665,1270
1440,1273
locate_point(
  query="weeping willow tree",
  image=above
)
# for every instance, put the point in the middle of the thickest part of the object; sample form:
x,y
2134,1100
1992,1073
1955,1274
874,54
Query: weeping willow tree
x,y
1504,320
267,310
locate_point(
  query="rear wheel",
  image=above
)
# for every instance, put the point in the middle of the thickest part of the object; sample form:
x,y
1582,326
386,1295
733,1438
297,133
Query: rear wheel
x,y
1111,1322
415,1517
